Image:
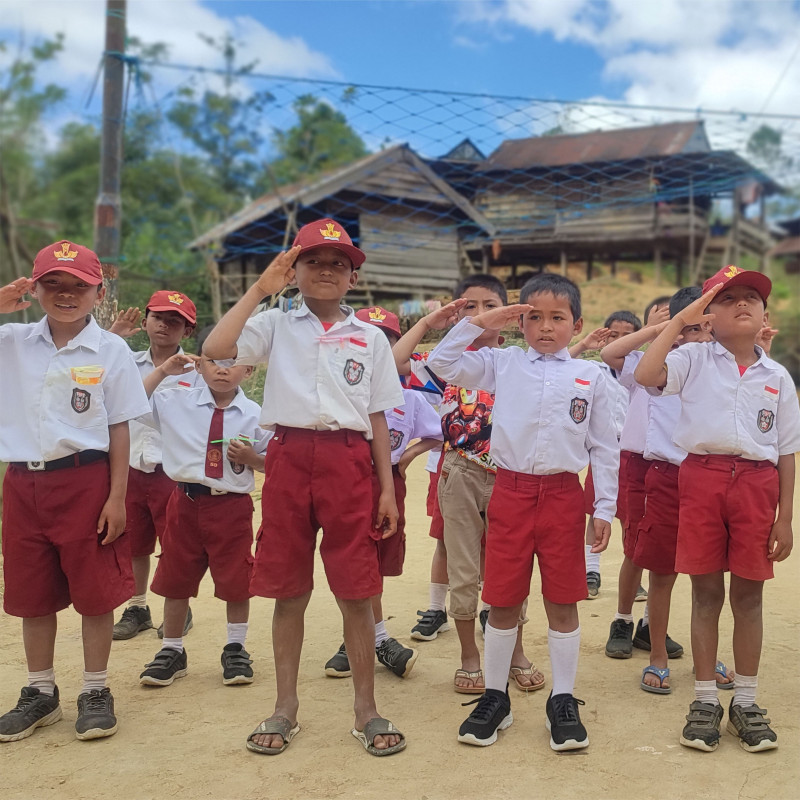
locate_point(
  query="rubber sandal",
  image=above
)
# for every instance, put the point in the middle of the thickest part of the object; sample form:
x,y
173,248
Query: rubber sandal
x,y
661,674
473,678
378,726
721,669
280,725
515,673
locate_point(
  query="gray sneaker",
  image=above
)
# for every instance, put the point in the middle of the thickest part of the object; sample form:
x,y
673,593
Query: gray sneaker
x,y
395,657
592,584
188,625
338,665
33,710
236,663
620,639
96,715
164,668
134,619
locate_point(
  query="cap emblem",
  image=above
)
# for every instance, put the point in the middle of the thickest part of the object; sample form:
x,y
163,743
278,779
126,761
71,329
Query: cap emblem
x,y
65,254
330,233
175,298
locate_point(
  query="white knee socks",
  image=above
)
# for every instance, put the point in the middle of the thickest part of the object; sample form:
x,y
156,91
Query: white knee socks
x,y
498,650
564,649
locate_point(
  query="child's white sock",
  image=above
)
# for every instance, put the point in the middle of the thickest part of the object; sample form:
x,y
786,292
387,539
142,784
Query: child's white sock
x,y
497,652
44,681
94,680
626,617
237,632
438,592
381,634
139,600
744,690
592,560
564,649
646,615
173,644
706,692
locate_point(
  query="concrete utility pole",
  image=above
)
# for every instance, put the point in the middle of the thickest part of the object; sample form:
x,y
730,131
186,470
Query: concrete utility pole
x,y
108,208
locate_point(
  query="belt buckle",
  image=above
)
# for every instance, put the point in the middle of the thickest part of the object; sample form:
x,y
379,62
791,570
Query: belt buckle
x,y
35,466
217,492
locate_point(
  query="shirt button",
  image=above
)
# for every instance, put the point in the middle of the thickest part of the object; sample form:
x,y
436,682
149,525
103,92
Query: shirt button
x,y
547,383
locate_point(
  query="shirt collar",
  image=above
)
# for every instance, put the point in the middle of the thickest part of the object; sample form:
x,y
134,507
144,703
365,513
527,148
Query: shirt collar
x,y
763,359
561,355
205,398
146,356
88,337
305,311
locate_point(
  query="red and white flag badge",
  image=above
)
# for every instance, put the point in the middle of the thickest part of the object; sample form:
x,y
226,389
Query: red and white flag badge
x,y
359,342
580,383
398,412
771,390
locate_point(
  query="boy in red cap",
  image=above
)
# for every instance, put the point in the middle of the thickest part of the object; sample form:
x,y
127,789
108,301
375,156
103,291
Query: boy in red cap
x,y
168,319
329,379
69,390
414,419
740,425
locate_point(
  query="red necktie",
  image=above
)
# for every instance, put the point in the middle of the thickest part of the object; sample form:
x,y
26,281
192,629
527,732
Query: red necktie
x,y
215,444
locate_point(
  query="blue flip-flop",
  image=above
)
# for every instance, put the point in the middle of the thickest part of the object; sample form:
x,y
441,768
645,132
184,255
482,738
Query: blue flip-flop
x,y
721,669
661,674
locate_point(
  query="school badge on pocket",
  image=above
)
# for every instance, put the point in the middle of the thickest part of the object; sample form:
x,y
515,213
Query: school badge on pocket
x,y
766,419
81,400
578,408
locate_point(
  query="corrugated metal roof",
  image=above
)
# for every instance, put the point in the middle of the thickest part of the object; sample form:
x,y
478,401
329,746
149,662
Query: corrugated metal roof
x,y
627,143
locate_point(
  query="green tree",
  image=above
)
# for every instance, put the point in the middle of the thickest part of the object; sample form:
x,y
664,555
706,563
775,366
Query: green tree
x,y
765,147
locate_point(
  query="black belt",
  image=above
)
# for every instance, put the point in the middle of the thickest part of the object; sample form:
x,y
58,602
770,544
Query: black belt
x,y
75,460
192,490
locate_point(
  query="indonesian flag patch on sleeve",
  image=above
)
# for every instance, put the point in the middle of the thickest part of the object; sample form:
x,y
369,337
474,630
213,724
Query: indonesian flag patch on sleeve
x,y
580,383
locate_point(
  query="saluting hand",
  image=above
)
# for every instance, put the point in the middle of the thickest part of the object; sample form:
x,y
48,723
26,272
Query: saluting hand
x,y
446,315
498,318
11,296
179,364
280,272
695,313
657,315
127,323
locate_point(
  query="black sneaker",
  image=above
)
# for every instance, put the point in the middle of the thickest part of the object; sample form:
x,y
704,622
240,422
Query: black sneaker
x,y
641,640
564,723
96,715
236,663
164,668
338,665
33,710
592,584
702,726
429,625
620,639
492,714
751,725
134,619
188,625
395,657
484,618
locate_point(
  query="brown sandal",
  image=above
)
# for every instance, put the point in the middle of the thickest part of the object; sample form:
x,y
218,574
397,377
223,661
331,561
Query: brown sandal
x,y
473,678
531,672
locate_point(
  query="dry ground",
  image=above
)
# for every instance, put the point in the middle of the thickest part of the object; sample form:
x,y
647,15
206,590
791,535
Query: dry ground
x,y
187,740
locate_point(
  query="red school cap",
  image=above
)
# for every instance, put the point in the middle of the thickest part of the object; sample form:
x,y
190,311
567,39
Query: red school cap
x,y
328,233
733,276
173,301
64,256
380,318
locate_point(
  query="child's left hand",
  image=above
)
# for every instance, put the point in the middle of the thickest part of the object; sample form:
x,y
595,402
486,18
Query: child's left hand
x,y
387,516
780,541
112,520
765,337
126,323
403,463
602,533
595,340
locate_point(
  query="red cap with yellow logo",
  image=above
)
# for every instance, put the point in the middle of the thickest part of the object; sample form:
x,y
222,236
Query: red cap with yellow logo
x,y
64,256
380,318
173,301
733,276
328,233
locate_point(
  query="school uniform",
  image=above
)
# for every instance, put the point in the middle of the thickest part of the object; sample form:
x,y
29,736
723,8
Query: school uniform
x,y
414,419
54,430
209,521
149,487
734,428
551,417
319,390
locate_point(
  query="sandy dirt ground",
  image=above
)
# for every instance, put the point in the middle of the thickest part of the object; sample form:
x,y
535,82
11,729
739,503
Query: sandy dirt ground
x,y
187,740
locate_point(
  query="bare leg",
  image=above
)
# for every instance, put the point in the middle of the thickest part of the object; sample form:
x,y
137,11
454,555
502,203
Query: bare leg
x,y
377,608
658,602
708,595
630,576
359,639
175,617
470,655
748,628
288,628
237,612
141,573
560,617
439,563
97,641
39,638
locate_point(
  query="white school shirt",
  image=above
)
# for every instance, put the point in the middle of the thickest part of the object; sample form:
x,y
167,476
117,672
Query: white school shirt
x,y
634,432
414,419
754,416
551,412
662,418
48,409
316,379
146,440
618,396
183,416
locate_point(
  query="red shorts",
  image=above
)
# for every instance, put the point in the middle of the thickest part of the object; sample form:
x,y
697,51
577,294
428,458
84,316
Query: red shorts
x,y
392,551
657,535
539,515
434,512
146,509
588,488
52,554
313,480
728,507
208,532
634,492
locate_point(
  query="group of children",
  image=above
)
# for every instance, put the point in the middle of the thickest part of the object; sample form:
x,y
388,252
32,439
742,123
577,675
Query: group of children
x,y
690,443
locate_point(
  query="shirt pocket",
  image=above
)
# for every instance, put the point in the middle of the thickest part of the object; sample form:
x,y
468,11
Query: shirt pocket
x,y
77,398
574,409
762,412
351,365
